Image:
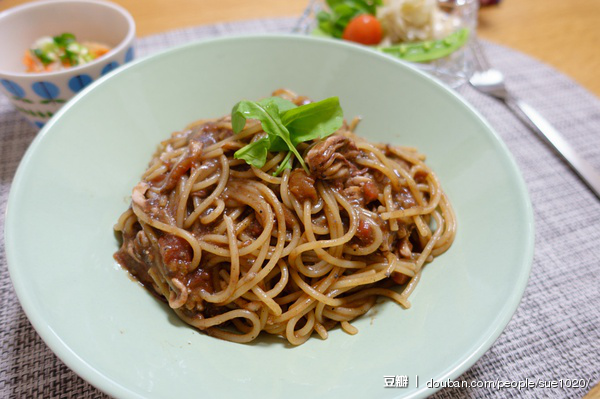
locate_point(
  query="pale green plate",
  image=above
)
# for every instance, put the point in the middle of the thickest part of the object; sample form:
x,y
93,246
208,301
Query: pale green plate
x,y
76,179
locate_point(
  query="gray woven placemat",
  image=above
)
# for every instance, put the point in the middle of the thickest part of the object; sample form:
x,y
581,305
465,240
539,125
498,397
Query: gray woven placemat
x,y
554,334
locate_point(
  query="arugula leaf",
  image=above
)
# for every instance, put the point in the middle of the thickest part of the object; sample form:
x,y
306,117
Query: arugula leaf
x,y
286,125
281,103
267,112
285,164
311,121
314,120
255,153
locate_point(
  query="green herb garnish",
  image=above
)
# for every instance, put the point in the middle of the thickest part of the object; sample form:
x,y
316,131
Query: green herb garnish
x,y
64,40
286,125
342,11
42,56
63,47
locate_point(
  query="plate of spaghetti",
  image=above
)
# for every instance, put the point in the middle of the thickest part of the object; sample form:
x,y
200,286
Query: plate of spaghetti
x,y
253,223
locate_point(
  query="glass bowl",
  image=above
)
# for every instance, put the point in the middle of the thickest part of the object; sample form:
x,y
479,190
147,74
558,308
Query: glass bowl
x,y
453,69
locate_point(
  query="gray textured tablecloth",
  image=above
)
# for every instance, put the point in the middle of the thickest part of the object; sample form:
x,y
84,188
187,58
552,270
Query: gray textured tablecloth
x,y
554,334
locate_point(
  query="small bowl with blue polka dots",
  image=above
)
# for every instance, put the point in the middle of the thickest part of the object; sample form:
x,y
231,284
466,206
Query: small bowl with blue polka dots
x,y
42,24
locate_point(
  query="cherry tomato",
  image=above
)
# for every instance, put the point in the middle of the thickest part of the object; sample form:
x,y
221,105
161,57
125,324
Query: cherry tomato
x,y
363,29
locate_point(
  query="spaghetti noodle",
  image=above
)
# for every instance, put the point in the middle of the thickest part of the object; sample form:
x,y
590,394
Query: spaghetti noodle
x,y
235,250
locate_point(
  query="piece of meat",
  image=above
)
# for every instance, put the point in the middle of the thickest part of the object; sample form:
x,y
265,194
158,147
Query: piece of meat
x,y
400,278
201,137
136,255
302,186
364,233
371,191
209,133
330,159
421,176
405,198
176,253
199,280
354,195
138,196
178,170
255,229
405,248
360,189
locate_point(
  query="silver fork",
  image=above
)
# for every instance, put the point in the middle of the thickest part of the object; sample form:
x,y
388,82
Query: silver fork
x,y
491,81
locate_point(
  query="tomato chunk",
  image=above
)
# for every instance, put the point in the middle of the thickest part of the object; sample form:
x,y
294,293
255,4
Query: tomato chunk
x,y
363,29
